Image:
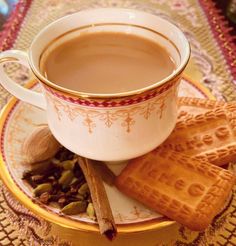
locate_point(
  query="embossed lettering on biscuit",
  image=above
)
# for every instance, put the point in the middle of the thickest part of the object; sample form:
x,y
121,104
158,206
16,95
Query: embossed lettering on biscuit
x,y
166,178
196,189
198,141
207,139
180,184
212,172
222,132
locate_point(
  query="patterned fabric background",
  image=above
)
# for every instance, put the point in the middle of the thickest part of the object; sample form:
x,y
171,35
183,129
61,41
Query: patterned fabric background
x,y
213,63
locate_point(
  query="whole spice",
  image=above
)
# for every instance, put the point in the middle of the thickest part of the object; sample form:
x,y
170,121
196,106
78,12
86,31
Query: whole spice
x,y
40,189
75,208
58,181
99,198
107,175
84,189
40,145
37,178
44,197
38,169
90,211
79,197
62,201
69,164
66,178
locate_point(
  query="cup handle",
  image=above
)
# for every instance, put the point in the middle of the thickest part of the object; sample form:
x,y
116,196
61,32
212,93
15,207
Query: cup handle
x,y
24,94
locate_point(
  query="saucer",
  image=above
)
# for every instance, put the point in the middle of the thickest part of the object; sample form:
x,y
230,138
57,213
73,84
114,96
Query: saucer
x,y
18,119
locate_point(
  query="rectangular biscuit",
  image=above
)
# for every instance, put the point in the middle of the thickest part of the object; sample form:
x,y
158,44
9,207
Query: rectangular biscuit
x,y
210,136
194,106
185,189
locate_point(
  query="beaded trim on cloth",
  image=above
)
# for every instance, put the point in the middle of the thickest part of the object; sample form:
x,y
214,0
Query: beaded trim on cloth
x,y
220,28
12,26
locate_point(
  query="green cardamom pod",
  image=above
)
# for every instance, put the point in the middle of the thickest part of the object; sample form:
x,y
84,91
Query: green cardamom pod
x,y
40,189
90,211
84,189
66,178
80,197
75,208
69,164
73,181
56,162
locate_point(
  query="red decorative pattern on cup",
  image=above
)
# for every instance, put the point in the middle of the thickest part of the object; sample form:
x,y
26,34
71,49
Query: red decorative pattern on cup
x,y
117,102
109,116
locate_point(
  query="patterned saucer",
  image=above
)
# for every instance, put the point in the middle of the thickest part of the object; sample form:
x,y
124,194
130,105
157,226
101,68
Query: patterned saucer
x,y
18,119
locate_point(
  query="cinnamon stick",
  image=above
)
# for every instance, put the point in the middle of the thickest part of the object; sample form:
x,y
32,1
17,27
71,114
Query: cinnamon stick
x,y
105,172
99,197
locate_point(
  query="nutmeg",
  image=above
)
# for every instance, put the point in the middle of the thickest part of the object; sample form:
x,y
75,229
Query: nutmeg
x,y
40,145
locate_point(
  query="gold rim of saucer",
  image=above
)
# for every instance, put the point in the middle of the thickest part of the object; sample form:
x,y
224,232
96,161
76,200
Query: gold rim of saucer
x,y
179,70
153,224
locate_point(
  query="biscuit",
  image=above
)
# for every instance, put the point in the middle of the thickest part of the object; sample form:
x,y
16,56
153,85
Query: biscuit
x,y
194,106
210,136
185,189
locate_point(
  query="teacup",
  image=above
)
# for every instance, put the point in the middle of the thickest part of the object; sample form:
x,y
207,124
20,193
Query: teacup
x,y
107,127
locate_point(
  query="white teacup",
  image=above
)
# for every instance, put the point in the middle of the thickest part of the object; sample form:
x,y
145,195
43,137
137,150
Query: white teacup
x,y
107,127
